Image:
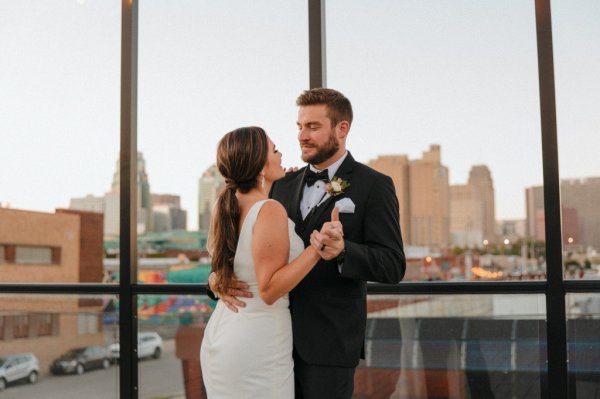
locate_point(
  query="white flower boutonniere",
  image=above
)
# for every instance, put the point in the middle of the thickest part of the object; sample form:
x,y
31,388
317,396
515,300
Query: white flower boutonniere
x,y
336,186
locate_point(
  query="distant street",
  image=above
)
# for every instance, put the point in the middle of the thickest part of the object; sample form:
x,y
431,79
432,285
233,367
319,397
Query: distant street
x,y
160,378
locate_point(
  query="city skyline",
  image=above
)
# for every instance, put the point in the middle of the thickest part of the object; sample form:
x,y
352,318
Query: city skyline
x,y
212,170
426,72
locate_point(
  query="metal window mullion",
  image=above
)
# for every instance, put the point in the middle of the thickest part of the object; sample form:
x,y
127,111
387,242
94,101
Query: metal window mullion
x,y
555,295
316,44
128,370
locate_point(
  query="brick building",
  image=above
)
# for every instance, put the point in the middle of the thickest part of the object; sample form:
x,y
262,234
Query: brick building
x,y
60,247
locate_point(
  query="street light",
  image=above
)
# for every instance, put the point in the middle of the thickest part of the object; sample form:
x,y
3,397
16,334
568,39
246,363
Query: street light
x,y
506,245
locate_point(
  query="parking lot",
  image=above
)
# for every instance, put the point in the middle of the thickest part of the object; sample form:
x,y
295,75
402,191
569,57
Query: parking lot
x,y
161,378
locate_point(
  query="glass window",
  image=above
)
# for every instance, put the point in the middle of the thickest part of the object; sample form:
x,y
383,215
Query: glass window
x,y
60,79
44,339
20,326
452,346
87,323
577,58
583,312
35,255
446,102
45,324
170,331
206,68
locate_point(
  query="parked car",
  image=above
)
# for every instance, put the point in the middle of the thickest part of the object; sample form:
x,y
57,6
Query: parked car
x,y
150,344
79,360
20,366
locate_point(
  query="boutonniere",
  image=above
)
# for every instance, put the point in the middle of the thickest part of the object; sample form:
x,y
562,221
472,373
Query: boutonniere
x,y
336,186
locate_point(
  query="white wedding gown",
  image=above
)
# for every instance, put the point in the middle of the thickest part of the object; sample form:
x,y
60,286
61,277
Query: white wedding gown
x,y
249,354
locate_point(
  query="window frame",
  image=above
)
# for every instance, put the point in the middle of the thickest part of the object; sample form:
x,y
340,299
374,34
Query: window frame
x,y
554,288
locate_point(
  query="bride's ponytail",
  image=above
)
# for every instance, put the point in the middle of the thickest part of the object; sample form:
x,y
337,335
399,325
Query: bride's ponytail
x,y
241,156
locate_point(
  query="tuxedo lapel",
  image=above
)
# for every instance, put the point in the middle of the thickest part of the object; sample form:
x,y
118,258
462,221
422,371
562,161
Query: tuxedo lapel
x,y
293,208
319,216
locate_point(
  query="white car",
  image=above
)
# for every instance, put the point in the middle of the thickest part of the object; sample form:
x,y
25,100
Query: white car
x,y
20,366
150,344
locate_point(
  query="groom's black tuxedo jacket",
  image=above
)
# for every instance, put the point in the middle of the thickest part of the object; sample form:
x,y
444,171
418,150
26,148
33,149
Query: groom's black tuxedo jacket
x,y
329,308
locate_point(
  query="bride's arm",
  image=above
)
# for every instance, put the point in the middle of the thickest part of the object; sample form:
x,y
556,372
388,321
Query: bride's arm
x,y
270,250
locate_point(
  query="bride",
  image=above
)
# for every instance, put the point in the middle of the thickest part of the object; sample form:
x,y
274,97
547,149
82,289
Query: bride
x,y
249,354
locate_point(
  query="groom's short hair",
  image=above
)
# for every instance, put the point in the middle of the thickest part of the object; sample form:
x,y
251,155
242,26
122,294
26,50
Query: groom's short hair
x,y
338,106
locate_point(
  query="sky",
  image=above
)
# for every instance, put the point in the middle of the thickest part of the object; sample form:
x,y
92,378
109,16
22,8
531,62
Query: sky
x,y
462,74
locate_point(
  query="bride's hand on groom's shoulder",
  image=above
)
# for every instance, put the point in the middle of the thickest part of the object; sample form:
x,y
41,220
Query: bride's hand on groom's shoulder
x,y
290,169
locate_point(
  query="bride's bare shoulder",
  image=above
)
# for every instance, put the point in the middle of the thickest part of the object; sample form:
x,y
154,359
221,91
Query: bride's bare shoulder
x,y
272,210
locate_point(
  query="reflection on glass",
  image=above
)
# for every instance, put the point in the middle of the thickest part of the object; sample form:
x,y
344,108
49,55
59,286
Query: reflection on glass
x,y
489,346
583,340
56,346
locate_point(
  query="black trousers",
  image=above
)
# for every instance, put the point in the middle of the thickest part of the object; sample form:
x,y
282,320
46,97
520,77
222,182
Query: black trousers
x,y
322,382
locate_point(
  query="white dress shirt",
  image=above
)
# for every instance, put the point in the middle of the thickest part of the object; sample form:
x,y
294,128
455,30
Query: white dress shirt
x,y
313,195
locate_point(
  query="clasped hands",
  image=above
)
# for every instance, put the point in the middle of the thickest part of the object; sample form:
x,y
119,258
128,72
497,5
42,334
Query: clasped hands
x,y
329,243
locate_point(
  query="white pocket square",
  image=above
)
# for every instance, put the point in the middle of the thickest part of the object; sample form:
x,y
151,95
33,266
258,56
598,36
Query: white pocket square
x,y
345,205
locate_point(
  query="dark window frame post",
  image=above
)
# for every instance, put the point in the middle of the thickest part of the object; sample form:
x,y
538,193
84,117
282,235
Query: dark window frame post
x,y
556,326
317,51
128,370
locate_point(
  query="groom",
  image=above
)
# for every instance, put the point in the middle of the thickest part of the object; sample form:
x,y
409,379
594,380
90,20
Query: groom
x,y
329,307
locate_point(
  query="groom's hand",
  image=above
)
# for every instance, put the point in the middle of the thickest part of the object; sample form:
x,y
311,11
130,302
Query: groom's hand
x,y
231,294
329,242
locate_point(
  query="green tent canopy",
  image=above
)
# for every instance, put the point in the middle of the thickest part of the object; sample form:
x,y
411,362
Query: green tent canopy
x,y
196,275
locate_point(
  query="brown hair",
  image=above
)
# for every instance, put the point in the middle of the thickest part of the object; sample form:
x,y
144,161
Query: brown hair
x,y
241,155
338,106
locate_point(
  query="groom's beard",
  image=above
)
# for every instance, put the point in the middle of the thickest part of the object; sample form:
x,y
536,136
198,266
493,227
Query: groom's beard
x,y
325,151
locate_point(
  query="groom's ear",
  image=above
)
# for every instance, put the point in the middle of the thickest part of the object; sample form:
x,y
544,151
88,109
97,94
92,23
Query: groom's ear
x,y
343,128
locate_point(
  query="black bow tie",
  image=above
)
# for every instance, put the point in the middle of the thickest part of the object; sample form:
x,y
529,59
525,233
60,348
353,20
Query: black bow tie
x,y
311,177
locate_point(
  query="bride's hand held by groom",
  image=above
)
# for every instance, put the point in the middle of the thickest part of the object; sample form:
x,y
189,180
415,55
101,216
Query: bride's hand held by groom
x,y
329,242
230,297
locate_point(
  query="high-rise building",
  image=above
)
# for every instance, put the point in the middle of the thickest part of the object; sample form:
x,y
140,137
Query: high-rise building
x,y
209,186
167,213
429,199
111,213
88,203
534,205
480,178
396,167
512,230
165,207
580,215
466,211
570,226
165,199
423,192
472,209
144,206
582,195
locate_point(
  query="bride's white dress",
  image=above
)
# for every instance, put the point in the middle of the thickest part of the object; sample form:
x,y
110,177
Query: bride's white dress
x,y
249,354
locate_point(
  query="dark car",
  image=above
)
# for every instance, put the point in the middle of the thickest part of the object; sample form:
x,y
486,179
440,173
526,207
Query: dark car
x,y
79,360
